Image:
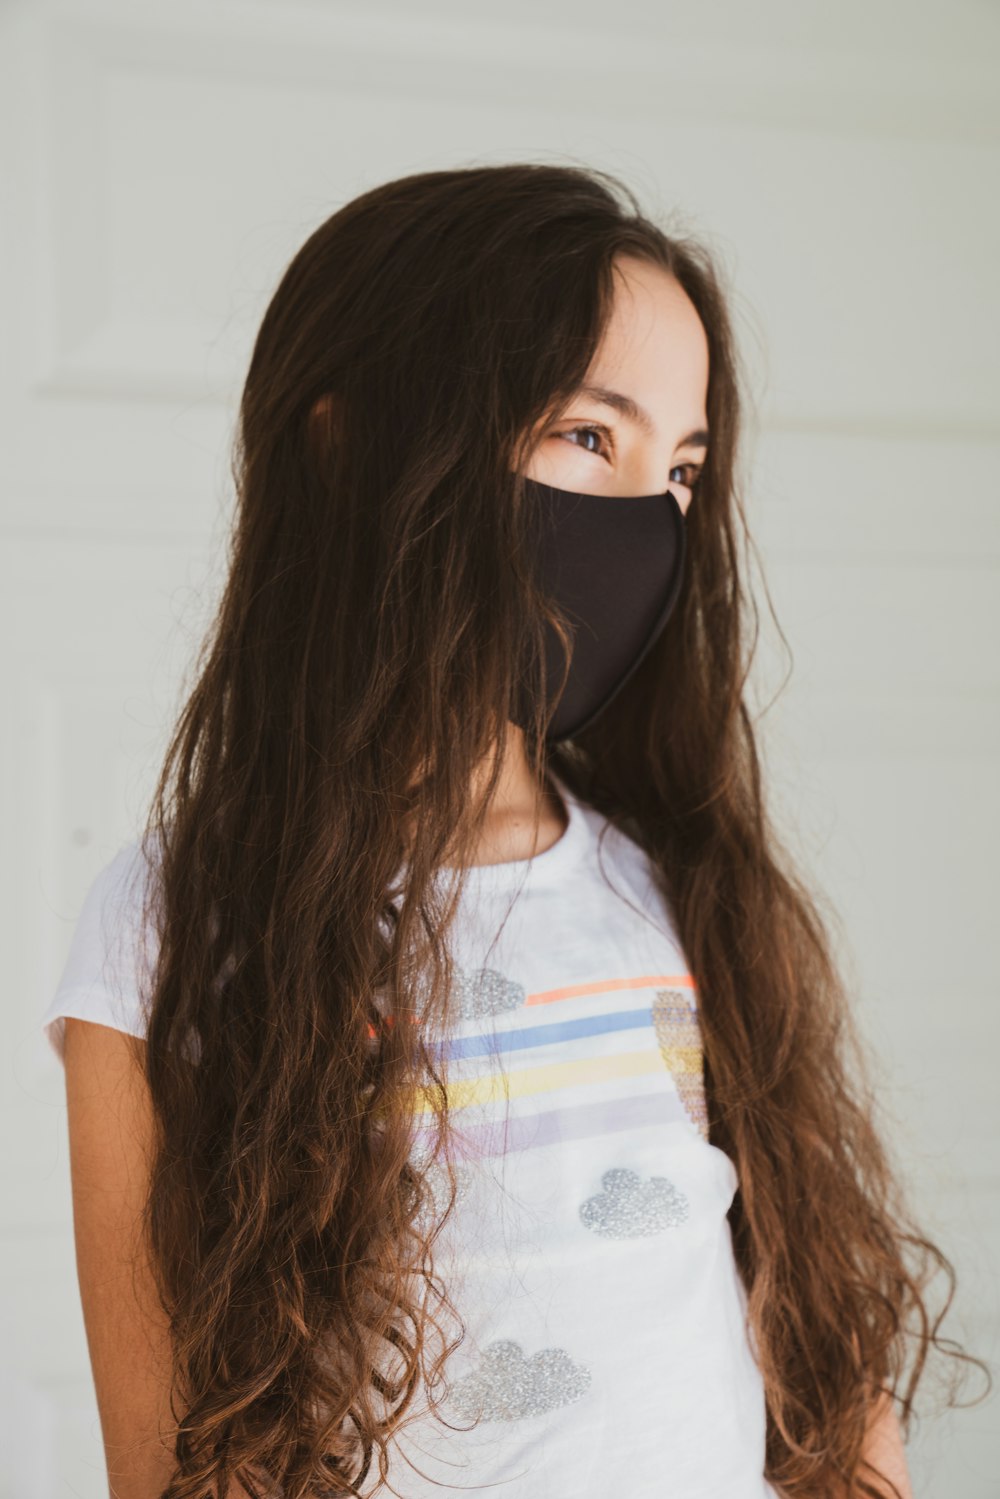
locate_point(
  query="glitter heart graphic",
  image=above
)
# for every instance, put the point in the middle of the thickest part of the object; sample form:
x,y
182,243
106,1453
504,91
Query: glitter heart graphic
x,y
675,1022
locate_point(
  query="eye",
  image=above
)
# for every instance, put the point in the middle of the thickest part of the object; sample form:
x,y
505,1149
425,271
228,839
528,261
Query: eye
x,y
591,430
604,448
693,471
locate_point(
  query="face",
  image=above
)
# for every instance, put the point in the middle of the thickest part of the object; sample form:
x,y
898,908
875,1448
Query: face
x,y
637,426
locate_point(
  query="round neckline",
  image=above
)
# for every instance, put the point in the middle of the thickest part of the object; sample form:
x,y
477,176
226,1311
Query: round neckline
x,y
549,863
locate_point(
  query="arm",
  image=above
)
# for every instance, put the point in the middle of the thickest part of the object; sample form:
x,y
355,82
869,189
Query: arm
x,y
110,1134
884,1445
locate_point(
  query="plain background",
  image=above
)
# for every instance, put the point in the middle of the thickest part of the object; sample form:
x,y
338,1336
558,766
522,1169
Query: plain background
x,y
161,164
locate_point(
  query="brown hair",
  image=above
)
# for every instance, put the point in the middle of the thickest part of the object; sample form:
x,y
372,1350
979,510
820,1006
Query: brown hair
x,y
378,621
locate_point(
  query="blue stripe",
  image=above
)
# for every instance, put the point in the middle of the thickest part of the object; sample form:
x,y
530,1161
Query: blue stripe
x,y
545,1035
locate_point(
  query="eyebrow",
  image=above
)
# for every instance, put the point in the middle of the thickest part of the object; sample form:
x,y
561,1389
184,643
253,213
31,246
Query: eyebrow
x,y
626,407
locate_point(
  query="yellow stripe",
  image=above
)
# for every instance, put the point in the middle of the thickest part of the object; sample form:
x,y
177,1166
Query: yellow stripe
x,y
683,1058
495,1085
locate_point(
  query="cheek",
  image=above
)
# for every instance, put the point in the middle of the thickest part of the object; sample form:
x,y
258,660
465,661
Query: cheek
x,y
564,466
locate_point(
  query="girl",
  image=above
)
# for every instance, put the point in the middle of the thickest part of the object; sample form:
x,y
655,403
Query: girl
x,y
461,1090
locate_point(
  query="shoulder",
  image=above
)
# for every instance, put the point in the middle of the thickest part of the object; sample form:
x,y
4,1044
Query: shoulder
x,y
111,950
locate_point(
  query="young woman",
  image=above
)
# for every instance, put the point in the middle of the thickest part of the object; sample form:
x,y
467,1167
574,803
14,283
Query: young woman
x,y
461,1090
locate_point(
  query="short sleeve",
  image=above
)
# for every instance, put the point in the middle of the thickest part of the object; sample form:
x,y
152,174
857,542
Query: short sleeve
x,y
110,961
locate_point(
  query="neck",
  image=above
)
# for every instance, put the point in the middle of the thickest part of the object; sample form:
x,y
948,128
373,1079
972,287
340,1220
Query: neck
x,y
524,819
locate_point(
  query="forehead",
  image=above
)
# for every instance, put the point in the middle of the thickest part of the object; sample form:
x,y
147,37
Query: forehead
x,y
654,338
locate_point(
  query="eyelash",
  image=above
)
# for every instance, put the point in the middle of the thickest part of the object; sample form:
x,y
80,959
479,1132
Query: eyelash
x,y
604,432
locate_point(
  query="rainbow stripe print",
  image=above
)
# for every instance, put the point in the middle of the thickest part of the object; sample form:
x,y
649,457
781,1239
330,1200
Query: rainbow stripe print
x,y
543,1060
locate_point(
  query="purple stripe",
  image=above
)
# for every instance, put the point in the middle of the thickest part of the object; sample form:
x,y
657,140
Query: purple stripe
x,y
581,1122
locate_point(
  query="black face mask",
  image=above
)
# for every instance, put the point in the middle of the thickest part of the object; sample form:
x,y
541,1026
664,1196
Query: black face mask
x,y
614,565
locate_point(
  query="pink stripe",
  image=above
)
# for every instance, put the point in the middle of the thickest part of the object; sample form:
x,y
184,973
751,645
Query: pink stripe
x,y
580,1122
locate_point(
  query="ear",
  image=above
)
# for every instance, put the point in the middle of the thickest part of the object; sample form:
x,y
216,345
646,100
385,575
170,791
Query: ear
x,y
326,423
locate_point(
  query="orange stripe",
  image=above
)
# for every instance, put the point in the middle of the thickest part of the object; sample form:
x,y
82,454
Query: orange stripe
x,y
607,986
602,986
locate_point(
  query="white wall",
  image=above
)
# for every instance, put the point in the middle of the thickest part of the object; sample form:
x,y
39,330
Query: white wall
x,y
161,162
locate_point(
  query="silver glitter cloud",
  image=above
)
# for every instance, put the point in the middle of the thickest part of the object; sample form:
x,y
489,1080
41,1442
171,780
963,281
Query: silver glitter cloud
x,y
485,991
436,1176
507,1386
629,1208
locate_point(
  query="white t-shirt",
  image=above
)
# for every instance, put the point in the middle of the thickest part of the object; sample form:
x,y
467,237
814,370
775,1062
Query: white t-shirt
x,y
588,1252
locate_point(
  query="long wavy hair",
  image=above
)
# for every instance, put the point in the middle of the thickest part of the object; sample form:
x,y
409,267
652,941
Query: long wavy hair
x,y
346,719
